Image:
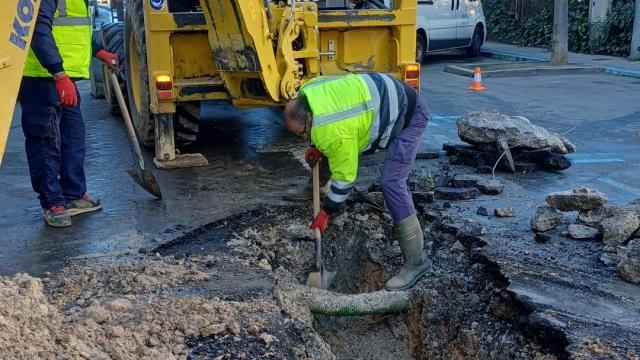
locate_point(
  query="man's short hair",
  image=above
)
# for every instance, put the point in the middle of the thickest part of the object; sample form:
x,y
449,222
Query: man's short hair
x,y
301,109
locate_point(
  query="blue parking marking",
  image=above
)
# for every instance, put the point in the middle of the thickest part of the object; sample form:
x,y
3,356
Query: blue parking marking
x,y
618,185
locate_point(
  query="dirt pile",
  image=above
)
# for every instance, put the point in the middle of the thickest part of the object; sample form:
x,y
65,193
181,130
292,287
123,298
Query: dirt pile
x,y
144,309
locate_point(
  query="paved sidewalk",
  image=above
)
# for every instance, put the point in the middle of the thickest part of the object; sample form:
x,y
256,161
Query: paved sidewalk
x,y
612,64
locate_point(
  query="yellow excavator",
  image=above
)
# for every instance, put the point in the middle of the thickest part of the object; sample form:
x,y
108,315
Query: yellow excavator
x,y
253,53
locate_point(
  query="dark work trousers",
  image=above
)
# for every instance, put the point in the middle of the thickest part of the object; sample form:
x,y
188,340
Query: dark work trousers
x,y
55,143
398,163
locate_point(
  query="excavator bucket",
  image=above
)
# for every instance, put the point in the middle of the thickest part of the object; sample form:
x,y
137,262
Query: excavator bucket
x,y
17,19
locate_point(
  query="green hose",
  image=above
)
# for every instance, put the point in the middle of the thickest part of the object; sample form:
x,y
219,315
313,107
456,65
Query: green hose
x,y
335,304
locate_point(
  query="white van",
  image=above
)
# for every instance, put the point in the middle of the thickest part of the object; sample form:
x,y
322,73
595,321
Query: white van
x,y
449,24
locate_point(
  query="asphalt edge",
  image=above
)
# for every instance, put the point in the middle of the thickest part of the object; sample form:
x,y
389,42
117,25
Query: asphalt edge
x,y
523,58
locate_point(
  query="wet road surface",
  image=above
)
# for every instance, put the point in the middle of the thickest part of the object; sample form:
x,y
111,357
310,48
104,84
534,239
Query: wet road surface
x,y
253,159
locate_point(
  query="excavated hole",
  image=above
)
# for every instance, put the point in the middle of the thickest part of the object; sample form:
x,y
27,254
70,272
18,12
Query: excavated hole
x,y
453,312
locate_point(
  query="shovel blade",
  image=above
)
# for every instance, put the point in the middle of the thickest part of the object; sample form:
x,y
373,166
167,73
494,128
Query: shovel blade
x,y
146,180
321,279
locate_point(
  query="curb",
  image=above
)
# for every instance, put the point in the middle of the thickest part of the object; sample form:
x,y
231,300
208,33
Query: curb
x,y
522,58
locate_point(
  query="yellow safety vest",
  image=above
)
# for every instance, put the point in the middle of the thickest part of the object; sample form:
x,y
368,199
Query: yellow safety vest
x,y
72,34
343,112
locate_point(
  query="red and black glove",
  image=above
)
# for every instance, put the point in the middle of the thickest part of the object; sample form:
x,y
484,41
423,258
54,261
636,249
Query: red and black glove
x,y
312,156
108,58
66,90
321,221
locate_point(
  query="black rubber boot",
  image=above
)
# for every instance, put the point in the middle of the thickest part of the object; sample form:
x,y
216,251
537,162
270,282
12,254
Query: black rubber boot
x,y
411,239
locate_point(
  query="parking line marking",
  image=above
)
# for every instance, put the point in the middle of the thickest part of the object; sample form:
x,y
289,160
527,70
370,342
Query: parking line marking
x,y
445,117
619,185
596,161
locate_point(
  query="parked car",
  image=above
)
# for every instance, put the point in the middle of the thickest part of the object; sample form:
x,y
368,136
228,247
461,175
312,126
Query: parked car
x,y
449,24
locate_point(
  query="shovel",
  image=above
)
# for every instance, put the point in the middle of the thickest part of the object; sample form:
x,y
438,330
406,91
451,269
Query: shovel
x,y
143,177
321,278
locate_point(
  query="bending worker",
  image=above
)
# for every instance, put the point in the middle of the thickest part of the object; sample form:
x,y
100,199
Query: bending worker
x,y
51,118
345,116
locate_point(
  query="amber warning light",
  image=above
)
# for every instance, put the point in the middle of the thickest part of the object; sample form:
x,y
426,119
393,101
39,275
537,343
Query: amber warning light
x,y
164,85
412,75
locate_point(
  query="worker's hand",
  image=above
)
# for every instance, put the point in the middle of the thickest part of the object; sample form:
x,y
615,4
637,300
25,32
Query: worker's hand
x,y
66,90
312,156
321,221
110,59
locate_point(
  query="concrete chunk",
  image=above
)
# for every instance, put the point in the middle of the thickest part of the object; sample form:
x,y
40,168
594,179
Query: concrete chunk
x,y
546,218
465,181
576,199
486,127
629,266
490,187
619,227
581,232
504,212
450,193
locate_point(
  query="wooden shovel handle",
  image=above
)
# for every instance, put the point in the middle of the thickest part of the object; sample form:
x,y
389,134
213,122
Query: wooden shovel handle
x,y
316,195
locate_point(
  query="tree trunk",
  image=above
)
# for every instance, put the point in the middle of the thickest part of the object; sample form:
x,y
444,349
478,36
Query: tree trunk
x,y
560,41
635,38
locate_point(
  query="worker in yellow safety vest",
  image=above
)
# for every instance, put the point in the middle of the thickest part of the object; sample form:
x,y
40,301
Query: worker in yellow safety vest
x,y
346,116
52,122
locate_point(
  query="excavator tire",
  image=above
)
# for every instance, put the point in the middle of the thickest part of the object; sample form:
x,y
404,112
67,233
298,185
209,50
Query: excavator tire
x,y
96,77
112,36
137,72
186,123
185,120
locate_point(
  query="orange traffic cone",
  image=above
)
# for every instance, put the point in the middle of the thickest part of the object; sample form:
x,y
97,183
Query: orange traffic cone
x,y
476,85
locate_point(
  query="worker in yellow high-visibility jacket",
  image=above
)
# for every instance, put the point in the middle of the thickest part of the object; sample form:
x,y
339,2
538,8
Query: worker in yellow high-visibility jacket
x,y
346,116
52,122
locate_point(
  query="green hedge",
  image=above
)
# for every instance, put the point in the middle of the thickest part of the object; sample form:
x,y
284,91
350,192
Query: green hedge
x,y
536,26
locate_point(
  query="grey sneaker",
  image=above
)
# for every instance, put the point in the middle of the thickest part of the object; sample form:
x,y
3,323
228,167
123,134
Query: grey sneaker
x,y
83,205
56,216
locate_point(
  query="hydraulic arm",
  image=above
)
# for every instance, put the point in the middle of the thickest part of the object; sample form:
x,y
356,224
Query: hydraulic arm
x,y
262,47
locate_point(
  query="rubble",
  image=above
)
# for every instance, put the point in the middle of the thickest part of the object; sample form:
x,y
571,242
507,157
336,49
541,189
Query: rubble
x,y
428,154
581,232
619,227
542,238
482,211
144,309
609,258
629,266
376,198
593,218
489,133
484,128
546,218
451,193
465,181
504,212
577,199
490,187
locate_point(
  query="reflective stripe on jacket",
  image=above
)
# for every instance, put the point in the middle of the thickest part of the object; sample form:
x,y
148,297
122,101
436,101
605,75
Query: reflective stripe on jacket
x,y
353,114
72,34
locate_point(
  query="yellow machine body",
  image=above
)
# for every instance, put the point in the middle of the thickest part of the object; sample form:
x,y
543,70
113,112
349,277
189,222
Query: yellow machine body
x,y
257,56
17,20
